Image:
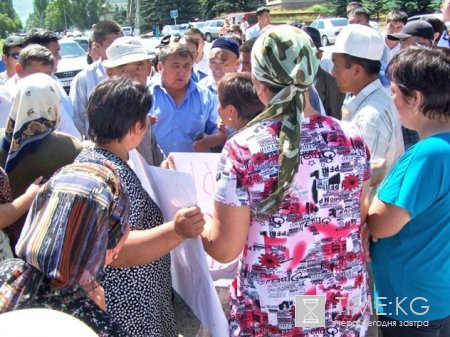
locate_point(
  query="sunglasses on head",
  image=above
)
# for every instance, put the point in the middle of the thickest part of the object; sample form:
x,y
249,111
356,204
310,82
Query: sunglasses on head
x,y
15,55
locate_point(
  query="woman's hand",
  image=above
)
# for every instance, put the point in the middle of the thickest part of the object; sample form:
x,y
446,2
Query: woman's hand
x,y
366,238
168,163
33,189
189,222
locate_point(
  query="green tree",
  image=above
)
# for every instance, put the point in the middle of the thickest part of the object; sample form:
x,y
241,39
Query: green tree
x,y
56,15
37,17
376,8
214,8
9,20
158,11
337,7
120,16
412,7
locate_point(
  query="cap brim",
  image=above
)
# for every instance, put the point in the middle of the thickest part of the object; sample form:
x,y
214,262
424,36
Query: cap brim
x,y
398,36
126,59
332,49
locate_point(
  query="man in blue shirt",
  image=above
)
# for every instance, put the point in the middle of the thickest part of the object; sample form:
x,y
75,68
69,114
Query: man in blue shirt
x,y
187,114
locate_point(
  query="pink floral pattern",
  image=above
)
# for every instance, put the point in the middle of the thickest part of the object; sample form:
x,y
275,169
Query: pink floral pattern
x,y
312,246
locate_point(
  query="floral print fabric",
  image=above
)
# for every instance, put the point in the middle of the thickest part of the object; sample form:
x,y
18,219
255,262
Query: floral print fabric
x,y
311,245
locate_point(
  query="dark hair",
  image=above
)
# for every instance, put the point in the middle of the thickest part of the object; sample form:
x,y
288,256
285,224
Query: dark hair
x,y
237,89
423,69
438,26
296,23
115,106
262,10
362,11
103,28
247,46
237,39
397,16
174,49
39,36
193,31
188,39
35,53
370,66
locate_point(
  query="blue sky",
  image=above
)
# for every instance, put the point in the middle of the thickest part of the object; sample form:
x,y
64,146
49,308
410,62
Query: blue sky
x,y
23,8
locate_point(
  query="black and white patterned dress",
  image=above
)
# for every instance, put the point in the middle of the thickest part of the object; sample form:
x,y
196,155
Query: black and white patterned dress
x,y
138,298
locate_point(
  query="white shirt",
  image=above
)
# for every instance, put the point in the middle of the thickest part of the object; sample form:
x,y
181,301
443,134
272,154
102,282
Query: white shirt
x,y
203,65
252,32
81,88
373,113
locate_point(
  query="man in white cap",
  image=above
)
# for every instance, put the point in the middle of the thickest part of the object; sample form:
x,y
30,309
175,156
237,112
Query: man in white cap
x,y
368,106
127,56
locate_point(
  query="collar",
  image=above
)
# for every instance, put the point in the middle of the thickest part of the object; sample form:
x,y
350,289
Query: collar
x,y
352,102
157,82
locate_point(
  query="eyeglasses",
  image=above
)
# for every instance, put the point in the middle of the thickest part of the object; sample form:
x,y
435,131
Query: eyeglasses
x,y
15,55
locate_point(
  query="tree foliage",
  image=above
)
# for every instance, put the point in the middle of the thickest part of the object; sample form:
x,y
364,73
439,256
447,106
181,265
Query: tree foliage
x,y
216,8
158,11
411,7
56,14
9,20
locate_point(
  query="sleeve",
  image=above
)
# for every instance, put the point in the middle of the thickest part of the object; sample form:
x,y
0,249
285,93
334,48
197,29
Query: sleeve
x,y
5,190
230,188
212,114
375,132
409,184
78,96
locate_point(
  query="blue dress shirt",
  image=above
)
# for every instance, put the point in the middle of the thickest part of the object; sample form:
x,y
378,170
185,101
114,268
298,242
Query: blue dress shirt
x,y
178,125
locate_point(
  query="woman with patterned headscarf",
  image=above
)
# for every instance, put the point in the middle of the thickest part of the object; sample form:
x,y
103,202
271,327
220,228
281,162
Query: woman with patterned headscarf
x,y
30,146
289,202
76,225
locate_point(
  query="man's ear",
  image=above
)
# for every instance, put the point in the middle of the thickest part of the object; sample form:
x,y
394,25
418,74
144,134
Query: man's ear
x,y
19,69
109,72
160,67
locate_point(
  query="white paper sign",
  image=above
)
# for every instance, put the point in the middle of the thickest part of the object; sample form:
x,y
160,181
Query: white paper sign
x,y
190,274
203,168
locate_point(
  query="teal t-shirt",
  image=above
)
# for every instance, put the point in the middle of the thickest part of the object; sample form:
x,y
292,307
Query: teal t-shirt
x,y
412,268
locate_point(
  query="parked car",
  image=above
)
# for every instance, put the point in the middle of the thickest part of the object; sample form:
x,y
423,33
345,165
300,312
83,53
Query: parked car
x,y
127,31
73,60
82,41
198,25
174,29
212,28
329,28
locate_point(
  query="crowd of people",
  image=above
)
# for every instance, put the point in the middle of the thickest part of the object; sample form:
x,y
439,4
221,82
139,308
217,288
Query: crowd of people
x,y
333,178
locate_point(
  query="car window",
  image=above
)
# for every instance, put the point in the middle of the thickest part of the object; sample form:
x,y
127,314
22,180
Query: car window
x,y
313,24
339,22
320,25
220,23
70,49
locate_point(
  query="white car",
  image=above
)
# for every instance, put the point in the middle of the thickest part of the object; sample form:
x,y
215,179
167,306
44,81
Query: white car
x,y
73,60
211,29
329,28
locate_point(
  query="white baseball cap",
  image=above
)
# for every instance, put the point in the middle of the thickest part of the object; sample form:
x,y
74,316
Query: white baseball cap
x,y
125,50
358,41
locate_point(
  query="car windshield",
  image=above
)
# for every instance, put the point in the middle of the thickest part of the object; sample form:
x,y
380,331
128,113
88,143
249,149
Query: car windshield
x,y
71,49
339,22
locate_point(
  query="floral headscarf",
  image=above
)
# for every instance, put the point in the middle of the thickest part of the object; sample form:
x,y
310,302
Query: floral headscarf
x,y
284,57
35,113
79,213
